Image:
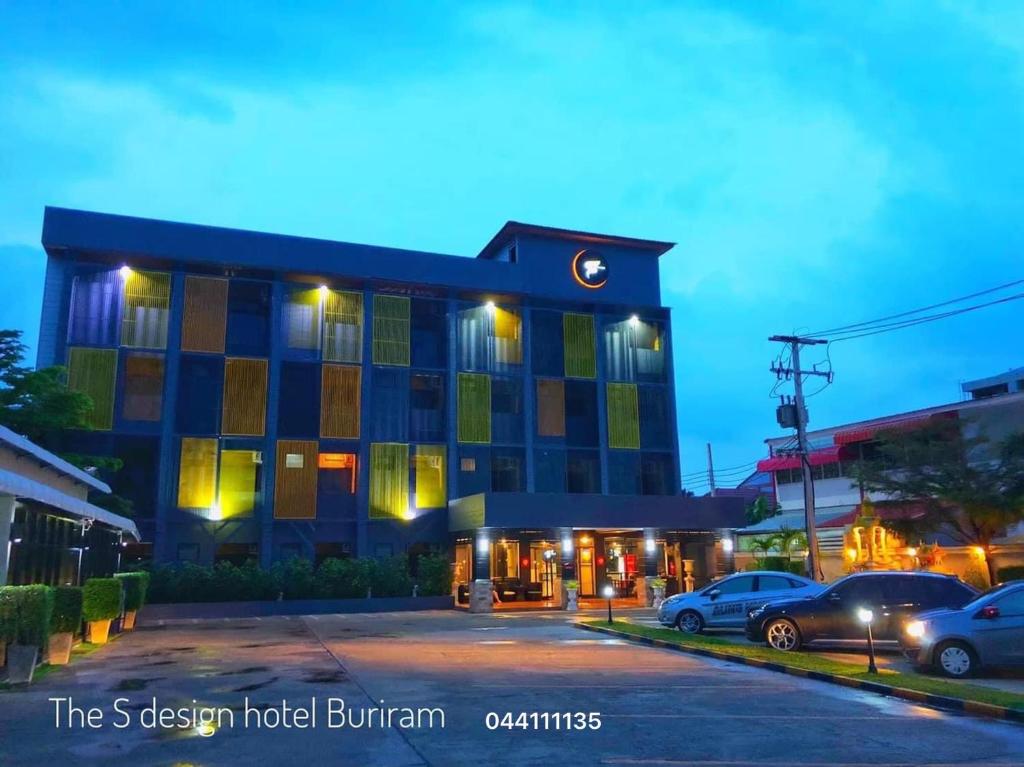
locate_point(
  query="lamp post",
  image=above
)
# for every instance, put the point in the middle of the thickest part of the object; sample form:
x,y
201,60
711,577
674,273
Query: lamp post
x,y
866,616
608,592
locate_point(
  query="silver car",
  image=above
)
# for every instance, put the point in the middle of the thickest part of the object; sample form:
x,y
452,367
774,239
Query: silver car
x,y
987,631
726,602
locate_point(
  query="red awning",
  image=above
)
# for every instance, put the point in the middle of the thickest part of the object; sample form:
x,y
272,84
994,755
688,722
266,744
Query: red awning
x,y
830,454
887,513
866,433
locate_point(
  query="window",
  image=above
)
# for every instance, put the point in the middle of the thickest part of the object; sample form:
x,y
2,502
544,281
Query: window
x,y
142,397
197,474
490,338
297,415
389,480
431,484
742,584
343,326
862,590
427,408
507,410
581,413
1011,605
295,480
301,321
467,464
238,482
508,470
656,427
92,372
506,338
390,330
245,397
623,416
505,559
773,583
389,404
624,473
429,333
550,407
337,473
549,470
657,474
474,470
340,401
248,325
634,350
583,471
200,387
943,592
204,320
474,408
95,309
147,297
546,343
580,354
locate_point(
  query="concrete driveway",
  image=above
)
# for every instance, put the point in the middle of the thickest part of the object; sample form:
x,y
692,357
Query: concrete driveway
x,y
656,707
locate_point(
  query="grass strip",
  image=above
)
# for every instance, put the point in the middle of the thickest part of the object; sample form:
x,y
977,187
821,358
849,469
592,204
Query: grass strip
x,y
816,664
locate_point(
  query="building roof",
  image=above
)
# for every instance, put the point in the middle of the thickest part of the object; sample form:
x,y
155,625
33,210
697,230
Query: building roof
x,y
514,228
26,447
19,486
1015,374
794,520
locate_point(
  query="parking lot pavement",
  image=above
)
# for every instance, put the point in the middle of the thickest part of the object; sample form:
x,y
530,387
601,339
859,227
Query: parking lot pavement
x,y
655,706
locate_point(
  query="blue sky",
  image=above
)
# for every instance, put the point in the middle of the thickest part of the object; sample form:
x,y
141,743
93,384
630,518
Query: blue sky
x,y
817,164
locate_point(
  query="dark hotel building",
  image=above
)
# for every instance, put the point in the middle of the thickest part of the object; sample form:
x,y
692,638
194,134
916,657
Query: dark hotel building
x,y
275,396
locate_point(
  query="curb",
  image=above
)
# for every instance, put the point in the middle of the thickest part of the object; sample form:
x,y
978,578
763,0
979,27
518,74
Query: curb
x,y
938,701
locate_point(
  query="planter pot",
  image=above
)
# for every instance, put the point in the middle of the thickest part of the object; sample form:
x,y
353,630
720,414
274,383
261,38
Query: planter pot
x,y
98,631
128,621
21,663
3,654
571,596
60,648
659,596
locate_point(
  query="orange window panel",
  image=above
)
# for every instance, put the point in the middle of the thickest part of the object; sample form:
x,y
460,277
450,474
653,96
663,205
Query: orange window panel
x,y
550,407
296,480
204,320
245,397
339,401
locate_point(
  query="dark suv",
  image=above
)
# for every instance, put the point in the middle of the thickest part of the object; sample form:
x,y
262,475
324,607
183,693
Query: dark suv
x,y
832,616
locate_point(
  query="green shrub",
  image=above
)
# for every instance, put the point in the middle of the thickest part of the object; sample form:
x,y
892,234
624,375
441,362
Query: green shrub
x,y
26,611
6,614
135,585
67,610
434,575
293,578
101,599
1013,573
341,579
390,577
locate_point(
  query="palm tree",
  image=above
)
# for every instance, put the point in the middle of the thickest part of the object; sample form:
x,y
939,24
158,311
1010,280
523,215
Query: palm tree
x,y
788,540
763,544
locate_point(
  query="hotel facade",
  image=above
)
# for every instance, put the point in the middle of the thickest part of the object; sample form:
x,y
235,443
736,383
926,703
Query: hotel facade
x,y
274,396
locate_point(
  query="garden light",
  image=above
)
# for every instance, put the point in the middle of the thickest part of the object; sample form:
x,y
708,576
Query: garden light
x,y
866,616
609,592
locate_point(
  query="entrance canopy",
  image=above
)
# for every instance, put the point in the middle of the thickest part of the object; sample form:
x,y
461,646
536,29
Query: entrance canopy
x,y
550,510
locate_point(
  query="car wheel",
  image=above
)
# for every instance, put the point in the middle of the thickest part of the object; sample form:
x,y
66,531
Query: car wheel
x,y
782,634
955,659
690,622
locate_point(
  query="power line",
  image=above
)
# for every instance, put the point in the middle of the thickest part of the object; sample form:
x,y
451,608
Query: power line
x,y
729,470
866,323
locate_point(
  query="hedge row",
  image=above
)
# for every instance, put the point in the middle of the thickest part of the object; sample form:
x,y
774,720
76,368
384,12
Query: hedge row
x,y
25,614
296,578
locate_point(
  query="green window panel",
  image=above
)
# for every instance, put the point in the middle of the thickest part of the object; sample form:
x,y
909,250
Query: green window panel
x,y
93,372
391,330
389,480
144,316
474,403
302,312
343,326
580,346
431,477
623,416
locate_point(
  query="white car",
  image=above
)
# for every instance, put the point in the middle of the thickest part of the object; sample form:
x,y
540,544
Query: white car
x,y
726,602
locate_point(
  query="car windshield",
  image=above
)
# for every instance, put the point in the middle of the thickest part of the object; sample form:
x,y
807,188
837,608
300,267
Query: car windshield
x,y
983,596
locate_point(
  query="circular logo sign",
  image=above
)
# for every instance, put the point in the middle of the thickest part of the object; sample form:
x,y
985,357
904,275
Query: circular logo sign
x,y
590,269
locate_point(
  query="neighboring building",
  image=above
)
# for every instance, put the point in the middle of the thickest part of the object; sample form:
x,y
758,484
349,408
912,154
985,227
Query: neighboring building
x,y
275,396
835,450
1010,382
49,532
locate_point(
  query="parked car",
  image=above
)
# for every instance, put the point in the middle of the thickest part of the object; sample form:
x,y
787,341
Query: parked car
x,y
832,616
726,602
987,631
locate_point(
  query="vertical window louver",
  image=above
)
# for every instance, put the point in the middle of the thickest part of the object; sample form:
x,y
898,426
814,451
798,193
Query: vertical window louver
x,y
474,406
302,317
339,401
389,480
142,395
95,306
236,483
245,397
550,407
507,337
197,474
431,492
296,480
580,353
390,330
343,326
623,416
93,372
205,317
147,297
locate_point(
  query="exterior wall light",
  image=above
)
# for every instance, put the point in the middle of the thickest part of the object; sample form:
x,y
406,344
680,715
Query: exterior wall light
x,y
490,306
483,544
567,546
125,272
727,545
634,320
324,290
651,545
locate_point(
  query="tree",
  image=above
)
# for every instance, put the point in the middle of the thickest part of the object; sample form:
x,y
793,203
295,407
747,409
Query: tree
x,y
759,510
38,405
763,544
966,487
788,540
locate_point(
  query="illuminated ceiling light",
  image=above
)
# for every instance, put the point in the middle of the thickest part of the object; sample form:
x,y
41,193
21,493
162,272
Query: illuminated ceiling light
x,y
324,290
634,320
490,306
567,545
483,544
727,545
125,272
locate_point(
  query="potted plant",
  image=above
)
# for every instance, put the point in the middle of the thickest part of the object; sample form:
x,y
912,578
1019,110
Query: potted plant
x,y
572,590
658,591
101,603
135,585
32,608
64,623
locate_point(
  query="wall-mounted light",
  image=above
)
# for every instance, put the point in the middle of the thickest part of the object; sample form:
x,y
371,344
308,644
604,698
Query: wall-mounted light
x,y
651,545
634,320
490,307
727,545
16,540
567,546
324,290
125,272
483,544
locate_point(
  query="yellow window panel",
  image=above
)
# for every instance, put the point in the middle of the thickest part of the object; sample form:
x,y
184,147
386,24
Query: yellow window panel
x,y
197,473
343,326
389,480
391,334
236,485
92,372
431,484
147,297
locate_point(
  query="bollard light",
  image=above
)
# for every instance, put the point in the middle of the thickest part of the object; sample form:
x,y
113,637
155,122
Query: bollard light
x,y
866,616
609,592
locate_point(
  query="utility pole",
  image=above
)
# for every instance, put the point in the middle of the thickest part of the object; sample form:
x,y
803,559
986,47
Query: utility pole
x,y
711,471
795,416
